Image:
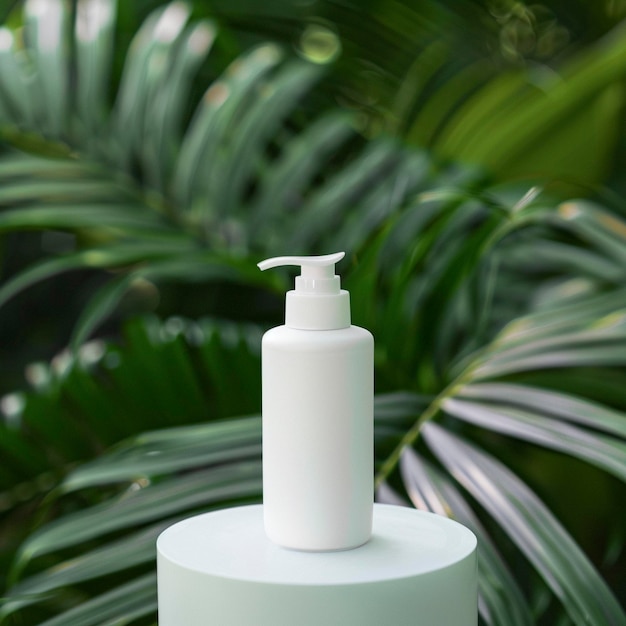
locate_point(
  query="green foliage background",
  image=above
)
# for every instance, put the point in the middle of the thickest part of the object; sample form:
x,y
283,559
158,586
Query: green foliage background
x,y
466,155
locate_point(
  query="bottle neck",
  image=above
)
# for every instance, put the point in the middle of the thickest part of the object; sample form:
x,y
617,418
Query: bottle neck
x,y
306,311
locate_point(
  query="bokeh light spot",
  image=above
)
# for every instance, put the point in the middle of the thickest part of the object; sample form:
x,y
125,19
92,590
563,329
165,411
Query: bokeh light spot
x,y
319,44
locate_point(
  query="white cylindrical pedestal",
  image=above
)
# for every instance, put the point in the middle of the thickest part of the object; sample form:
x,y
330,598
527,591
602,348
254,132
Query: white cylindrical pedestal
x,y
419,569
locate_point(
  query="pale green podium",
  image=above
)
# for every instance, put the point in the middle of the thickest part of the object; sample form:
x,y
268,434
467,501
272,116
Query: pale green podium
x,y
419,569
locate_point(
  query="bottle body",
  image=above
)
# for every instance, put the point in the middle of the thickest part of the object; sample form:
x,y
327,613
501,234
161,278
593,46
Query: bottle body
x,y
318,441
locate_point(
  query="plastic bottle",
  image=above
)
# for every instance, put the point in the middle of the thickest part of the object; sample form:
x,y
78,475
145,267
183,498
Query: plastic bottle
x,y
318,387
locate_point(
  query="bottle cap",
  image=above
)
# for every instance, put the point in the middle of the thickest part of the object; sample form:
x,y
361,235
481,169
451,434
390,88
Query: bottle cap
x,y
318,302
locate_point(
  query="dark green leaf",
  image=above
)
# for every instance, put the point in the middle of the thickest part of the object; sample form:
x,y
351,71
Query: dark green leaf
x,y
135,549
171,450
143,504
115,608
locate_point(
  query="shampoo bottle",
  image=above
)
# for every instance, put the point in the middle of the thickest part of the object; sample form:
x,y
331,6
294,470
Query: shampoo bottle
x,y
318,387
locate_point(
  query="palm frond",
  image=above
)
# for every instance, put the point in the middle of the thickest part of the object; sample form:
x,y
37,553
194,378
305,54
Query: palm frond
x,y
501,601
490,302
151,197
71,412
164,476
156,466
551,550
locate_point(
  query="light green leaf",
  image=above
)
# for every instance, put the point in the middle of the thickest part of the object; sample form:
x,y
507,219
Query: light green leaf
x,y
109,257
212,120
97,216
529,524
284,186
178,449
562,123
469,120
17,101
326,207
17,165
501,602
599,227
94,38
563,315
45,27
63,191
610,352
432,117
135,549
561,405
259,121
382,201
166,106
599,450
144,70
399,405
538,254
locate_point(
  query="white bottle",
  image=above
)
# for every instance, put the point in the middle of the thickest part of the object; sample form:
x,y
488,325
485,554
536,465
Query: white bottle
x,y
318,388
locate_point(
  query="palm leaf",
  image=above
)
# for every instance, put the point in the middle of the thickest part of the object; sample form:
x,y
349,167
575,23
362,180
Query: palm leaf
x,y
501,601
88,390
134,599
235,443
439,270
531,526
162,490
605,452
561,405
134,176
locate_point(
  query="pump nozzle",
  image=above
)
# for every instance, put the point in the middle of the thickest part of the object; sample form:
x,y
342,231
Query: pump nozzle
x,y
331,307
312,266
317,272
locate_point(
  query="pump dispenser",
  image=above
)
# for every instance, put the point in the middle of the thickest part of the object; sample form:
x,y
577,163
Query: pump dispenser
x,y
318,387
318,302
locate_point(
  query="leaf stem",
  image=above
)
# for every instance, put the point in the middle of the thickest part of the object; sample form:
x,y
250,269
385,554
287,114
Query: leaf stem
x,y
411,436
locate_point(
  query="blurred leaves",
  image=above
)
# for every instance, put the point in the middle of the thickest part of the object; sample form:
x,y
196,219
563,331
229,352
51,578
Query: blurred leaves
x,y
159,477
166,475
163,372
558,124
155,198
489,303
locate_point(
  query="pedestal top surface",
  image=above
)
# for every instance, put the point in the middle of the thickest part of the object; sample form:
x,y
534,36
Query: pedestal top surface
x,y
231,543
